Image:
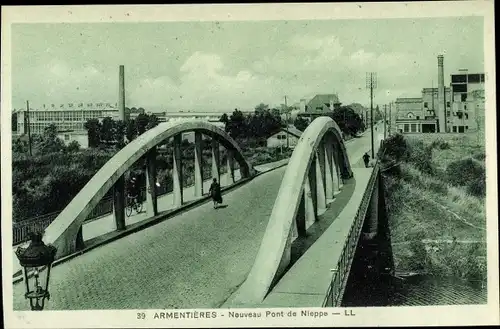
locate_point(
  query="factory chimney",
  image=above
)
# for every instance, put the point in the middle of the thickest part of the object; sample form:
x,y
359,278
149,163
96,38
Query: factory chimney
x,y
121,94
441,108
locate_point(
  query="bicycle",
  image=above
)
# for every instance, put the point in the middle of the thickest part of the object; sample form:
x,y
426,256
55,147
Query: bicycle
x,y
133,204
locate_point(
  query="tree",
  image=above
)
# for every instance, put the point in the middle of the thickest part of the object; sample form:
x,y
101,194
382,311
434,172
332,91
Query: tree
x,y
141,122
224,119
236,125
14,121
119,131
130,130
300,123
73,146
93,127
50,143
348,120
107,130
152,122
262,124
19,146
261,108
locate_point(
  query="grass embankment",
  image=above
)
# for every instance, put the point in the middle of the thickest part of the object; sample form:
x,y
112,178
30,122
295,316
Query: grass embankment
x,y
436,202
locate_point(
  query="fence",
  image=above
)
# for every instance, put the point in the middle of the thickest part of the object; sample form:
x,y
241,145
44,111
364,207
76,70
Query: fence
x,y
22,229
341,272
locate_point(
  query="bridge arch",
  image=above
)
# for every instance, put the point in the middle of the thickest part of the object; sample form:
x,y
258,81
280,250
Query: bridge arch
x,y
320,141
63,231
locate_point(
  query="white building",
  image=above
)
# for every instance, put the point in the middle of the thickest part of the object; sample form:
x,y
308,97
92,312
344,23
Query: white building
x,y
81,136
66,117
279,139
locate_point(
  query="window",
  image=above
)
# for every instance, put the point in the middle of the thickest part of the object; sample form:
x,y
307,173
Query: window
x,y
454,129
465,107
66,137
473,78
459,88
448,113
482,77
413,128
466,127
406,127
466,116
459,78
463,97
448,104
418,117
426,104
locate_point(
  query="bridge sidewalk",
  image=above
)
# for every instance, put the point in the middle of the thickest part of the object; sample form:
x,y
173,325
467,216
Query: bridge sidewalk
x,y
106,224
306,283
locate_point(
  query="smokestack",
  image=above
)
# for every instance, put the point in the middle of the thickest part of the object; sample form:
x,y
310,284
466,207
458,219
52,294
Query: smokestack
x,y
121,94
302,105
441,96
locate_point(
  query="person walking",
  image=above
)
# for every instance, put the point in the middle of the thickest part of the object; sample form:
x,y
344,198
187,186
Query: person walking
x,y
366,159
215,193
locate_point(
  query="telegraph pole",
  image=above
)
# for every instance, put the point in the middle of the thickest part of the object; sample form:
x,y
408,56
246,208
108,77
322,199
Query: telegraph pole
x,y
286,116
371,83
29,124
390,118
385,121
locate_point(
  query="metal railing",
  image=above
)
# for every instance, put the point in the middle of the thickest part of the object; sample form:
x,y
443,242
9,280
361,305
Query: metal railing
x,y
340,274
21,230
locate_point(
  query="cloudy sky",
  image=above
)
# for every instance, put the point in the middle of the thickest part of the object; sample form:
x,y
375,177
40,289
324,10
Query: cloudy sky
x,y
227,65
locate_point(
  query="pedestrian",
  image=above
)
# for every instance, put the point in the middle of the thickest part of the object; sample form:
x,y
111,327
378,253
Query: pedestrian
x,y
366,159
215,193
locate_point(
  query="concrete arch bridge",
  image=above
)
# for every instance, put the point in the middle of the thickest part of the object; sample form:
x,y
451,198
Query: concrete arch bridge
x,y
288,237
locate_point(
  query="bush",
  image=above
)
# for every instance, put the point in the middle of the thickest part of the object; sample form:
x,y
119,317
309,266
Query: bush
x,y
468,173
478,186
480,156
438,186
396,147
421,157
440,144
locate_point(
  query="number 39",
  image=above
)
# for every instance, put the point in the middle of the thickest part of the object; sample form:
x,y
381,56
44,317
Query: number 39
x,y
141,316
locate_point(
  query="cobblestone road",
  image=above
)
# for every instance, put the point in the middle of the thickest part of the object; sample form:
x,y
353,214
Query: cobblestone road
x,y
194,260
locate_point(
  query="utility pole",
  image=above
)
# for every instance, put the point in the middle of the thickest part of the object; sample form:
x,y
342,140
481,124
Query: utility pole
x,y
385,121
29,124
371,83
390,118
286,116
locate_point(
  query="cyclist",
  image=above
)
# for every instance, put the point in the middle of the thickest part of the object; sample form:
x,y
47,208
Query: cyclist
x,y
133,189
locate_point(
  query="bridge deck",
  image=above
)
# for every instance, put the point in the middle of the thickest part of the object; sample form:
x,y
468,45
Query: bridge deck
x,y
307,281
194,260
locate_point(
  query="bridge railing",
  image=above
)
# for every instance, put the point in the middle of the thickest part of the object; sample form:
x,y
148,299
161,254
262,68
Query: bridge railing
x,y
340,274
21,230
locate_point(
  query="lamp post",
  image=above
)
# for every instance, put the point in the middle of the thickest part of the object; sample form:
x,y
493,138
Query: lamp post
x,y
36,261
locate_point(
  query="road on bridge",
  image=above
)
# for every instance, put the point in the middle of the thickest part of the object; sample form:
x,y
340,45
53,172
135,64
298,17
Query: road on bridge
x,y
194,260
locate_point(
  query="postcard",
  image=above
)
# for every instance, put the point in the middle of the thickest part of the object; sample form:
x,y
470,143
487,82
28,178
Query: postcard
x,y
249,165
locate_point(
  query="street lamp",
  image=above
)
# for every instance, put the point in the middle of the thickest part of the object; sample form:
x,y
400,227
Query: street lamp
x,y
36,261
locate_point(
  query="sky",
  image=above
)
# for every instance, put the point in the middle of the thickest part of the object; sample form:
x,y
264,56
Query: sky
x,y
219,66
